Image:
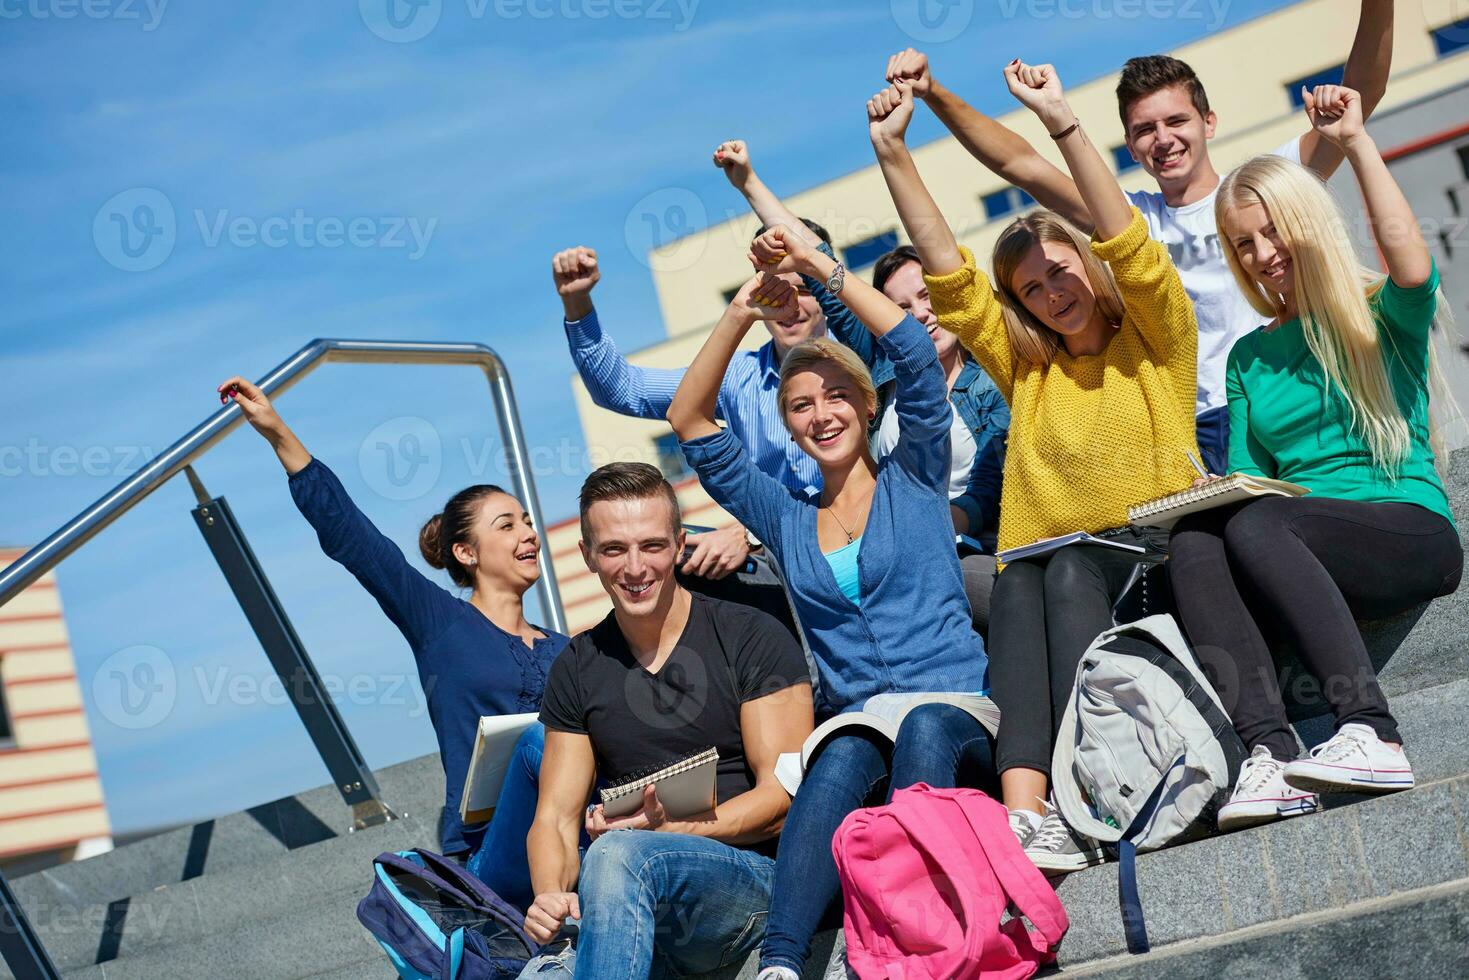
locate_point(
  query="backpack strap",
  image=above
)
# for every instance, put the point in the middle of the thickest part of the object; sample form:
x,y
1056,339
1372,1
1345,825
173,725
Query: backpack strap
x,y
453,955
1134,926
1018,875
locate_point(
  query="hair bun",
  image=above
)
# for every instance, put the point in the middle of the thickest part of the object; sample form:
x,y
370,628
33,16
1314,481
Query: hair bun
x,y
431,542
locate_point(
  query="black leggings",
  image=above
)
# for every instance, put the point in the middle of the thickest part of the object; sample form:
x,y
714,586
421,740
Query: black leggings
x,y
1044,613
1313,565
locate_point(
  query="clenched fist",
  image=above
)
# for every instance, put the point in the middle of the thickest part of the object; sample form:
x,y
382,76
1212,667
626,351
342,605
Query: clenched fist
x,y
575,272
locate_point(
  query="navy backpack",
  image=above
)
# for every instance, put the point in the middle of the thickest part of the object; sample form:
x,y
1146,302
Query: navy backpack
x,y
436,921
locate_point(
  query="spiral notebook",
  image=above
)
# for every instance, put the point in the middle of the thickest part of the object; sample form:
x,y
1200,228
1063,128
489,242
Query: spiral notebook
x,y
685,787
1166,511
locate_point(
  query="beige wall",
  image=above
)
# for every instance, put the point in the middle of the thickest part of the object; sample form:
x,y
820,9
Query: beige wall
x,y
1245,70
50,795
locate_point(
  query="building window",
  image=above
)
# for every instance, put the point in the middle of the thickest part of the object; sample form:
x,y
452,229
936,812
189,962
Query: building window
x,y
1008,201
670,458
1327,76
1451,37
731,293
7,731
1122,159
864,253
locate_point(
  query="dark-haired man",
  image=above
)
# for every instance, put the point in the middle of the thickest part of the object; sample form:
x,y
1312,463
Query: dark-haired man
x,y
1167,124
667,674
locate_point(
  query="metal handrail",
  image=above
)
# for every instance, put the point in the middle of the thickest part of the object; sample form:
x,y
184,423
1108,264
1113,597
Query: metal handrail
x,y
127,494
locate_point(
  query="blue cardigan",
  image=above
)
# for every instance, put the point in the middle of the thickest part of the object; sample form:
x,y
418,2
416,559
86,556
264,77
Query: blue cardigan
x,y
467,665
913,631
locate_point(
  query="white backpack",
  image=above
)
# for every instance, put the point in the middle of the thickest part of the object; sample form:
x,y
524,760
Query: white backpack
x,y
1146,754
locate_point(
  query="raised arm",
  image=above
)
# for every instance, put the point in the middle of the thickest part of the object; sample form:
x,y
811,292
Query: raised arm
x,y
1336,114
888,115
781,249
1038,88
1366,73
613,382
733,157
1003,151
417,605
568,770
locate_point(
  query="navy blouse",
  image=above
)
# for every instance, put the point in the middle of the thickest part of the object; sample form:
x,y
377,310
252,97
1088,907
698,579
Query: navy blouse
x,y
467,665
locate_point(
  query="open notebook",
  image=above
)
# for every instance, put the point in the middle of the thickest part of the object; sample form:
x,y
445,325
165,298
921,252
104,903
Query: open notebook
x,y
1166,511
686,787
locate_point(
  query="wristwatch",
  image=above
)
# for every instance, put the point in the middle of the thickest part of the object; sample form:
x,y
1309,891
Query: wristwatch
x,y
837,279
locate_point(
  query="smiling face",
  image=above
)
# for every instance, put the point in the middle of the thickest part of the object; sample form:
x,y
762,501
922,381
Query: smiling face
x,y
827,413
905,286
1168,136
632,546
808,322
1052,283
503,546
1252,235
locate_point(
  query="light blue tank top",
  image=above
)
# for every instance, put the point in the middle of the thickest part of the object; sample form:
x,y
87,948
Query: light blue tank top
x,y
843,564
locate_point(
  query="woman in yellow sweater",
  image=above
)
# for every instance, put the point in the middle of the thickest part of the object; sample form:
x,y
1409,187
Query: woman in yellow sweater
x,y
1094,346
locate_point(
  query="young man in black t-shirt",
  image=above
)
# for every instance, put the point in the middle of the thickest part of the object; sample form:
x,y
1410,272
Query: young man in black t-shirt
x,y
668,673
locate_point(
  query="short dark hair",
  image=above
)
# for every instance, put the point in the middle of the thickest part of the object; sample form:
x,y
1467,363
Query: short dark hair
x,y
816,229
892,262
627,481
1142,77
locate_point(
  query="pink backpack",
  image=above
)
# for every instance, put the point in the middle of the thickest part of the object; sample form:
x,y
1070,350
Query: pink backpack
x,y
925,881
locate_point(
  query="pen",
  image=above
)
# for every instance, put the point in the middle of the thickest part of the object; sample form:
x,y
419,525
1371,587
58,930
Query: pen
x,y
1197,465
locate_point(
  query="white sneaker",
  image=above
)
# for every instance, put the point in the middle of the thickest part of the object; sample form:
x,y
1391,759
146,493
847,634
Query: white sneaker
x,y
1354,760
1261,794
777,973
1056,849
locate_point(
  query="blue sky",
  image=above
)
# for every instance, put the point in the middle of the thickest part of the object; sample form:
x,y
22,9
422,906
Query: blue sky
x,y
334,171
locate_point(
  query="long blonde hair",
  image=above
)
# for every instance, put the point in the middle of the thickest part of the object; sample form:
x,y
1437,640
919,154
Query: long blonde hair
x,y
1031,340
1333,291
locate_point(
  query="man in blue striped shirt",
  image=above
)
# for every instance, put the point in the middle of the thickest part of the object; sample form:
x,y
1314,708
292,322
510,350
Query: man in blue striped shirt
x,y
746,399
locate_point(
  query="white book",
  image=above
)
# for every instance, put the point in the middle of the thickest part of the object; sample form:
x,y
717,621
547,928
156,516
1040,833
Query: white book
x,y
686,787
1166,511
881,713
1047,545
494,742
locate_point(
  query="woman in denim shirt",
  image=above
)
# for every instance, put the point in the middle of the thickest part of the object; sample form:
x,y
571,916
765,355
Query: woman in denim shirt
x,y
475,657
860,562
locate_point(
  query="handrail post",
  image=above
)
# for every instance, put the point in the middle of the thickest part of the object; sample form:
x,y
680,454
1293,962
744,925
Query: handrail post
x,y
287,654
20,947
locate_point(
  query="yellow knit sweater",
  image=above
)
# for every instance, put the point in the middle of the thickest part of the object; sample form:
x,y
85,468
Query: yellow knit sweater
x,y
1091,435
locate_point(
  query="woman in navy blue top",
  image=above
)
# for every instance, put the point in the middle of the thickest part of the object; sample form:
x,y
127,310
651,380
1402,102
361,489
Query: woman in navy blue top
x,y
475,657
871,565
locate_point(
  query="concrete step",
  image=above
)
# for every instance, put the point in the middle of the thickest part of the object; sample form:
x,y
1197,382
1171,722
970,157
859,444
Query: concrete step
x,y
337,870
1359,847
1422,933
237,840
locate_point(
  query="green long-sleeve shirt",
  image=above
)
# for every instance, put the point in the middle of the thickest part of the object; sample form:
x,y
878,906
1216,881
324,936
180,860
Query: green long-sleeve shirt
x,y
1287,423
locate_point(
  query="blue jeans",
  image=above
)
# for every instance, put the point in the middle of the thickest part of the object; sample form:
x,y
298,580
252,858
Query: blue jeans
x,y
501,861
1212,429
658,905
938,744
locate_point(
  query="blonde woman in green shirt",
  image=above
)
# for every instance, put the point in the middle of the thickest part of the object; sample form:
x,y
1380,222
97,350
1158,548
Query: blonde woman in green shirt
x,y
1332,393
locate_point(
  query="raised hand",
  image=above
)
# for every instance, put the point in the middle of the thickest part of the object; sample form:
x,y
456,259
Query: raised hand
x,y
1335,112
263,419
1038,88
780,249
252,401
888,114
767,297
733,157
575,272
911,66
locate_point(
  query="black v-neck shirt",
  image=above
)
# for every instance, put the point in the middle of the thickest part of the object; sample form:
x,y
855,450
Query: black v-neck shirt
x,y
728,654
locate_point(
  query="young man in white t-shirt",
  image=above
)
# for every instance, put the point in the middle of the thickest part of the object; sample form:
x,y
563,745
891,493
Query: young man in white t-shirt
x,y
1167,124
